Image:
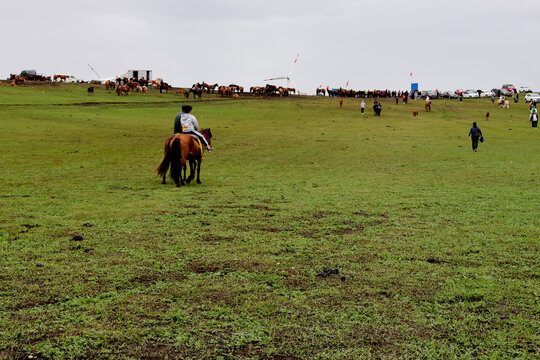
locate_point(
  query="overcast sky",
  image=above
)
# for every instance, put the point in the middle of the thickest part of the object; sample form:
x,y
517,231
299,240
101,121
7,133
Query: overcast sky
x,y
372,44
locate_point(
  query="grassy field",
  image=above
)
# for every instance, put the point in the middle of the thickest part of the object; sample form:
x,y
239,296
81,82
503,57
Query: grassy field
x,y
437,247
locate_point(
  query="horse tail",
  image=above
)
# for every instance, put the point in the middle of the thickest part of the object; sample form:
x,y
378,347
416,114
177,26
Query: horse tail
x,y
175,159
164,165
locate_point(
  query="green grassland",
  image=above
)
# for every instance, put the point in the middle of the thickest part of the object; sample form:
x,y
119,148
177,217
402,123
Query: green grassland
x,y
437,247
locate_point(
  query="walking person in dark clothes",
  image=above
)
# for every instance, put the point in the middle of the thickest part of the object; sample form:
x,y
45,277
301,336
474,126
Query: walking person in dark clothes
x,y
475,134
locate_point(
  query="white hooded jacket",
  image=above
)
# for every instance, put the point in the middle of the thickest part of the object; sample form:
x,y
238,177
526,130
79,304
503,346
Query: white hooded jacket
x,y
189,122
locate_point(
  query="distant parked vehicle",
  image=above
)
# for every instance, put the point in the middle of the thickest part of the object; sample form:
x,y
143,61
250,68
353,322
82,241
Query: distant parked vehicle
x,y
510,88
448,95
32,75
445,95
470,94
525,89
70,79
534,97
432,94
506,92
486,93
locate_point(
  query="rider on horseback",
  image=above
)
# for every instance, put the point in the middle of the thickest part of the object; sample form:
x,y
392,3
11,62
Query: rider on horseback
x,y
189,125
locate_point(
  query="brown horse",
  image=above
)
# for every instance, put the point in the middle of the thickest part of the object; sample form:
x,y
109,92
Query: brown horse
x,y
19,80
224,91
196,91
205,86
110,85
428,105
122,89
212,87
179,149
164,86
133,85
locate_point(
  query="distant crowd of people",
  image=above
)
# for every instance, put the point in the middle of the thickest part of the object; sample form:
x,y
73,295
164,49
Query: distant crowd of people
x,y
475,133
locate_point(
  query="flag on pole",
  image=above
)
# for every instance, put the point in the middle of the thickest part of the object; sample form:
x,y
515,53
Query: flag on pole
x,y
347,84
327,87
411,74
320,86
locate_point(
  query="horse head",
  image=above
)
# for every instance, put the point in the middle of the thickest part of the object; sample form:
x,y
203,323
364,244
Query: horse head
x,y
207,133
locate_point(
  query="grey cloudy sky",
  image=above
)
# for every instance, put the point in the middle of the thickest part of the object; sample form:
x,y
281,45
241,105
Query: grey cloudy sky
x,y
373,44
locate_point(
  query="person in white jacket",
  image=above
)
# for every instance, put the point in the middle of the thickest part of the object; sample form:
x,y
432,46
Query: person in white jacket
x,y
191,126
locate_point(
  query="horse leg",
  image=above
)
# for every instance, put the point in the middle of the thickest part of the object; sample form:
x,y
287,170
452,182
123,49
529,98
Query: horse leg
x,y
198,171
178,161
191,176
192,165
185,170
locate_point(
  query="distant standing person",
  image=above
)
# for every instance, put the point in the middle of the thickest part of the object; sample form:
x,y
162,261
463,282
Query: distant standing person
x,y
341,102
377,108
533,118
479,93
460,96
397,100
506,104
492,99
475,134
362,106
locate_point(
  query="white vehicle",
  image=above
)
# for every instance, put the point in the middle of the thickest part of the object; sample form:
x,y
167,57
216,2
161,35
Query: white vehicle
x,y
486,93
470,93
70,79
534,97
525,89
